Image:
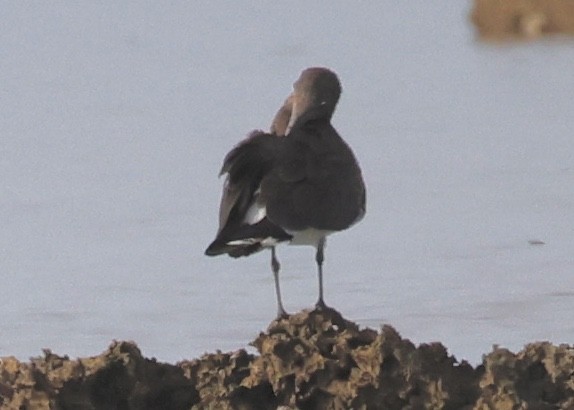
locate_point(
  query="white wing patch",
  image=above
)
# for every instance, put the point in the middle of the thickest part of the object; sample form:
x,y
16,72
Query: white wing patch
x,y
265,242
256,212
245,241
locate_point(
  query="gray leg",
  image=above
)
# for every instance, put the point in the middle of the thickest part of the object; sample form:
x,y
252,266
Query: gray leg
x,y
276,266
319,257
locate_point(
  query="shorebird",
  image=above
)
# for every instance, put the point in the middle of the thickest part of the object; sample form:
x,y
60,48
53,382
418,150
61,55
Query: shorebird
x,y
296,184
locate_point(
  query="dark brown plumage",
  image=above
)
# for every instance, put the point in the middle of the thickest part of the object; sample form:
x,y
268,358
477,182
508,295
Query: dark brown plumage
x,y
299,183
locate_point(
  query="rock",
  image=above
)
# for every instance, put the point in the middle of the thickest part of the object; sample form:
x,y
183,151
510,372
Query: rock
x,y
529,19
120,378
541,377
311,360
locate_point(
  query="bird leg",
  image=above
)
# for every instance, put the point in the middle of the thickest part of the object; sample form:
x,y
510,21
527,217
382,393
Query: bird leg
x,y
281,313
319,258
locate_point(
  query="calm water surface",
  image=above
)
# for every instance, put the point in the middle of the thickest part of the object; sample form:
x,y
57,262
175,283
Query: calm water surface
x,y
115,119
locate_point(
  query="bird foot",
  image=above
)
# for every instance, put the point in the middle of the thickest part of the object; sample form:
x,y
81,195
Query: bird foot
x,y
282,314
321,306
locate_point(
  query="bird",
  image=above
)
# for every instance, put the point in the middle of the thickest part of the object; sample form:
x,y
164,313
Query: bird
x,y
298,183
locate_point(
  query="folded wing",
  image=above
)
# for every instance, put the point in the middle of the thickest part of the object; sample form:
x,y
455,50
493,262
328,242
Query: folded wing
x,y
243,226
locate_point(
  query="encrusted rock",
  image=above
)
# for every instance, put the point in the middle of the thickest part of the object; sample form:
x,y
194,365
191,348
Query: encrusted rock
x,y
311,360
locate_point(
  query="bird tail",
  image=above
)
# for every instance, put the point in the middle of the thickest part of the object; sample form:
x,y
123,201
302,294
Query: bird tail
x,y
247,239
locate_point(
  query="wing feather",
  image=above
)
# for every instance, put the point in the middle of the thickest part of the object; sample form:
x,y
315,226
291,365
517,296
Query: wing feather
x,y
245,166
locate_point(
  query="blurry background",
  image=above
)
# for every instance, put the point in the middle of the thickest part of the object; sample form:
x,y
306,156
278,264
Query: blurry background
x,y
114,120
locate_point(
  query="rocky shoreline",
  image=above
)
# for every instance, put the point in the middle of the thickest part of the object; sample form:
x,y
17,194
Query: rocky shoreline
x,y
312,360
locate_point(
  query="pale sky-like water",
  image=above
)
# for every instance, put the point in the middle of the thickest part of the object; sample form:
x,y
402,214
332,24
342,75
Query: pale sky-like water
x,y
114,121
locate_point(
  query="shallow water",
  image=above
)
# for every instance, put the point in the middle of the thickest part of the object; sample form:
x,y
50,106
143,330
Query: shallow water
x,y
115,119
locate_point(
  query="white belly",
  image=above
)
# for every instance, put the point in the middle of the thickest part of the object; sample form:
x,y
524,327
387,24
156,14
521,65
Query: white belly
x,y
309,236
